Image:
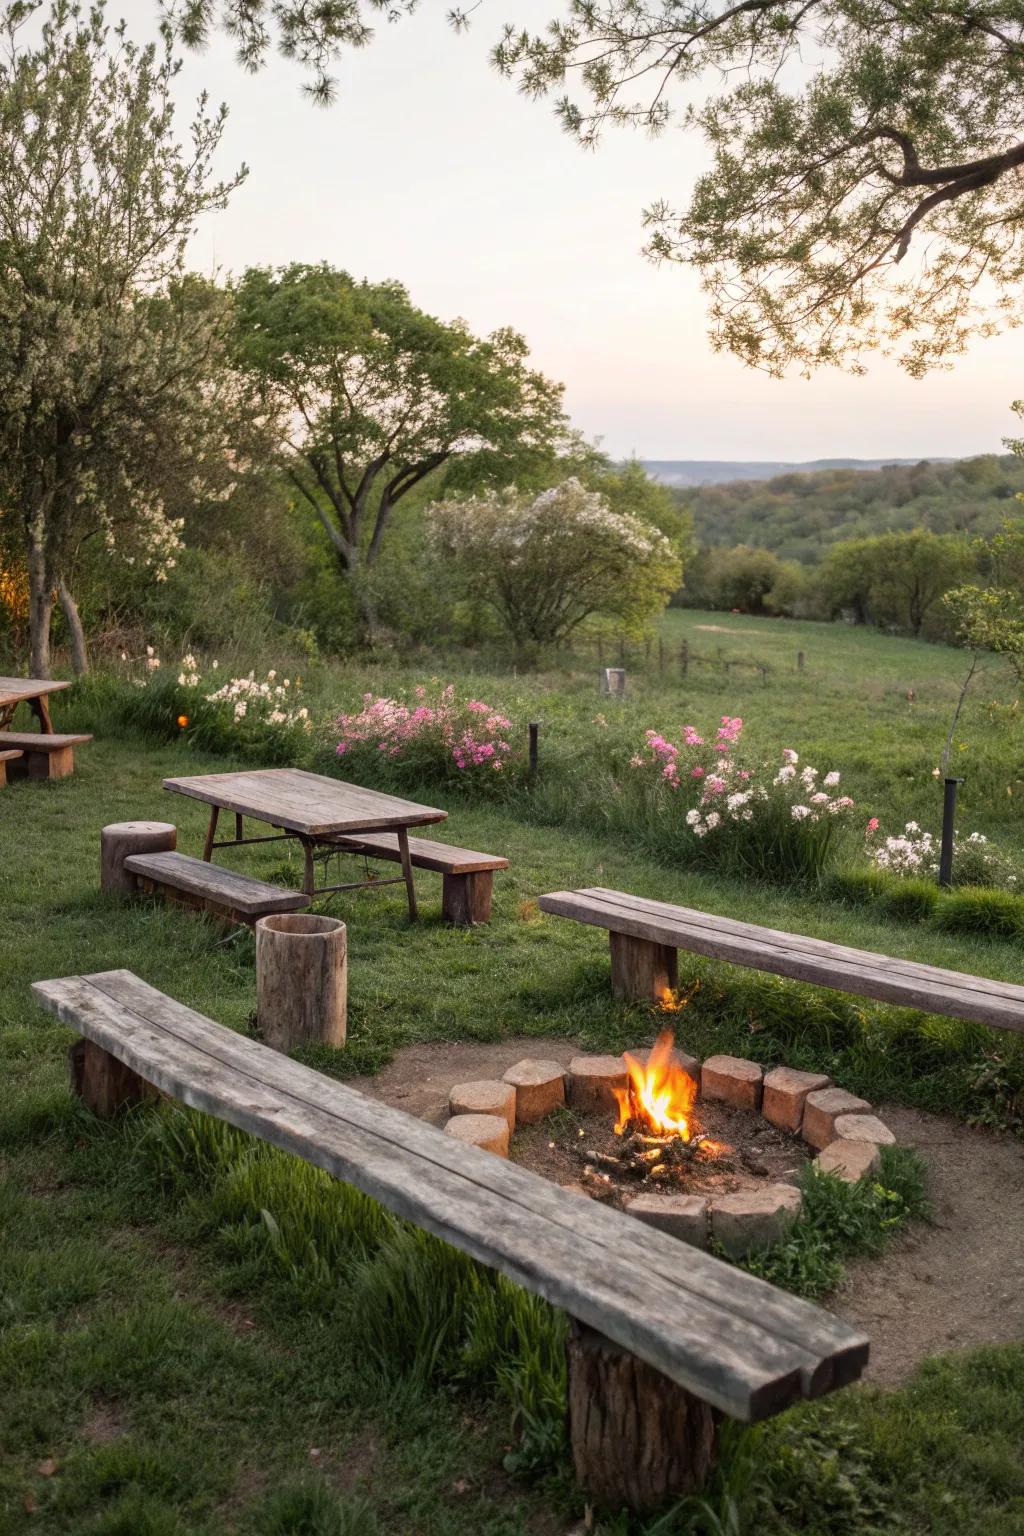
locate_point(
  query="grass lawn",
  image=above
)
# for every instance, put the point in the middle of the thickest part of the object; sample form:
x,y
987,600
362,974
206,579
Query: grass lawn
x,y
156,1379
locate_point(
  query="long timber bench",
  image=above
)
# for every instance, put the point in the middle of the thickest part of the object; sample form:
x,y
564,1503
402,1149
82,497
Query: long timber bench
x,y
468,876
225,892
664,1336
646,935
45,756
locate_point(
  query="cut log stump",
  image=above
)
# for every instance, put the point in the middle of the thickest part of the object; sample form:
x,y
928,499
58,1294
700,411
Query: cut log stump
x,y
103,1083
123,838
637,1438
642,971
301,980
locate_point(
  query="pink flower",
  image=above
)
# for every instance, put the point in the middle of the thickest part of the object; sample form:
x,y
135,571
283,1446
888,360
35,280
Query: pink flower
x,y
714,785
744,773
697,773
872,826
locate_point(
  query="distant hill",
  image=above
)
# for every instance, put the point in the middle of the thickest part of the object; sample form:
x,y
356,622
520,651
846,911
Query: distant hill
x,y
685,472
798,514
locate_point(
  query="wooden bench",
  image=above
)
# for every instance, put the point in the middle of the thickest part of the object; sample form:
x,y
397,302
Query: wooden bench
x,y
645,936
655,1322
194,883
8,756
468,877
45,756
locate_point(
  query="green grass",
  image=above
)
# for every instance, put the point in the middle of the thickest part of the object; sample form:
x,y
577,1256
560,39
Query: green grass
x,y
179,1379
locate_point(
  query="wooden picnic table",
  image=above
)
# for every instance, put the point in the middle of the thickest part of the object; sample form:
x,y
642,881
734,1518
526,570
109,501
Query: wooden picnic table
x,y
31,691
311,808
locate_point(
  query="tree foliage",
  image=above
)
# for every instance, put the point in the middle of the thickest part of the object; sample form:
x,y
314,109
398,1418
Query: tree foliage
x,y
548,563
991,617
107,350
864,188
897,580
368,395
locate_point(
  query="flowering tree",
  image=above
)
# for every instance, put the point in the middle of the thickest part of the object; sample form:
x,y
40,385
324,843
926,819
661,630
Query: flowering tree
x,y
107,350
546,563
368,395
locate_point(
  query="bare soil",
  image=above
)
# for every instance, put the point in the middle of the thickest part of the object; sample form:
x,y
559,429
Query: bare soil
x,y
954,1284
959,1282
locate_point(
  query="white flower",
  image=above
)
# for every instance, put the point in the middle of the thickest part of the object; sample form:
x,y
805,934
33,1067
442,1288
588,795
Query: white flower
x,y
831,779
692,818
790,756
712,820
785,774
798,812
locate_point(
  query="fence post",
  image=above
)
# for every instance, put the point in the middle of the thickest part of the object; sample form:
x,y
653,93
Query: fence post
x,y
534,728
799,661
951,786
684,657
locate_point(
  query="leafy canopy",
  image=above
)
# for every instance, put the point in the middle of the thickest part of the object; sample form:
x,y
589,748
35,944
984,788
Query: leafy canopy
x,y
369,395
864,188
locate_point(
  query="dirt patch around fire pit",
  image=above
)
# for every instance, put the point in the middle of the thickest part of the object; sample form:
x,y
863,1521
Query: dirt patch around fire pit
x,y
742,1151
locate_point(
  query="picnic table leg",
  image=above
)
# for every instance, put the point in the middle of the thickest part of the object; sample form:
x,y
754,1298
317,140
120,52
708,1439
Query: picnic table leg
x,y
41,709
211,833
406,858
309,877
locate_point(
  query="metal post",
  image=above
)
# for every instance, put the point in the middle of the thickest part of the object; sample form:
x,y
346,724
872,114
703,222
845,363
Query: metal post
x,y
799,661
948,817
534,728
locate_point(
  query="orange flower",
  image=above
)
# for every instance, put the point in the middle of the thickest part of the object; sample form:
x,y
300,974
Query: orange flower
x,y
182,721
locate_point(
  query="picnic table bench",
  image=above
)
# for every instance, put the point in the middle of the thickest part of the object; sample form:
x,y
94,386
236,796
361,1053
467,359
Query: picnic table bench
x,y
467,877
664,1337
645,936
42,754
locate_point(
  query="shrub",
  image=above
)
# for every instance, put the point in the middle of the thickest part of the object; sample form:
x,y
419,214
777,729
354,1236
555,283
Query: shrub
x,y
743,820
435,739
547,563
974,909
915,852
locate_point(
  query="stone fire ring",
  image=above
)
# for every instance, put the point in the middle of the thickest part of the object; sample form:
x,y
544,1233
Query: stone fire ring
x,y
846,1135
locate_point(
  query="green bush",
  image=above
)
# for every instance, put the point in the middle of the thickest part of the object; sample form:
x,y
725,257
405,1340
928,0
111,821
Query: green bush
x,y
979,910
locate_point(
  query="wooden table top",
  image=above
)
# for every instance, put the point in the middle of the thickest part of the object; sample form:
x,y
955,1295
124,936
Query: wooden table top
x,y
308,803
14,689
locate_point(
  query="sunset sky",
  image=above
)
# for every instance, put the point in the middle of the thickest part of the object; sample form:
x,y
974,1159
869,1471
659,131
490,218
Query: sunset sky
x,y
431,169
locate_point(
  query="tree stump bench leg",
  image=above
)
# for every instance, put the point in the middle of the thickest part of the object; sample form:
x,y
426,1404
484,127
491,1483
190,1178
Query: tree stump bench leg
x,y
123,838
642,971
637,1438
103,1083
466,899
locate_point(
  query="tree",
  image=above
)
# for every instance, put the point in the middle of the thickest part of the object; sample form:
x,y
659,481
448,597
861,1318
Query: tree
x,y
864,188
547,563
368,395
991,617
106,349
896,580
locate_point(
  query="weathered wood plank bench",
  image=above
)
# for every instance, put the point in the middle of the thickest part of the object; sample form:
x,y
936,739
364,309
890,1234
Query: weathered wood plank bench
x,y
45,756
8,756
656,1323
468,877
645,936
210,887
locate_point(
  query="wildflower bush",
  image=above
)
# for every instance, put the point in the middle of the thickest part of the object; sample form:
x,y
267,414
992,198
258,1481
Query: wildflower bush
x,y
433,737
773,821
262,719
915,852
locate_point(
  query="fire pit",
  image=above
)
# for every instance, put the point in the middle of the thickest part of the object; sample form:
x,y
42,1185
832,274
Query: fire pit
x,y
712,1150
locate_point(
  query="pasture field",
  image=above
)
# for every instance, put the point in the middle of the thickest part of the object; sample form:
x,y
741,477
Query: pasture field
x,y
161,1375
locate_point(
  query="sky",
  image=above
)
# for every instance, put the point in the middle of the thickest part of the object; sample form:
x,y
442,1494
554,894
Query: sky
x,y
432,169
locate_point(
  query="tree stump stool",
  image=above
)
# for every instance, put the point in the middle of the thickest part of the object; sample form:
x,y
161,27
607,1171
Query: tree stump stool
x,y
123,838
301,980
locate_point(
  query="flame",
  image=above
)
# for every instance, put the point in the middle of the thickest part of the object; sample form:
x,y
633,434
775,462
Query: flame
x,y
660,1094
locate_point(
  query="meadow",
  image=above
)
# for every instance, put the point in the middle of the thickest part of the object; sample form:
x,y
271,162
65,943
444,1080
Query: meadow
x,y
173,1363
